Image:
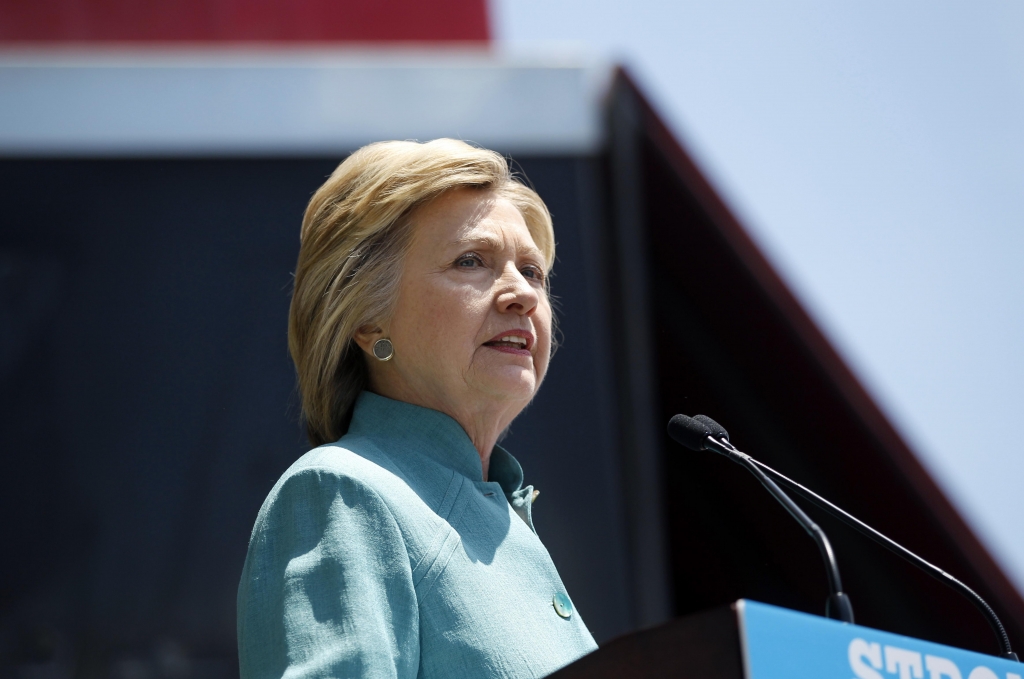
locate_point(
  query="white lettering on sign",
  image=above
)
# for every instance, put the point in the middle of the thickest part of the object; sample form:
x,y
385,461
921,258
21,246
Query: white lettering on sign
x,y
907,664
941,667
866,659
982,673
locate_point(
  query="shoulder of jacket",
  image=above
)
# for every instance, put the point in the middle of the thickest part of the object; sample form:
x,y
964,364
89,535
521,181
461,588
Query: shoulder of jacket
x,y
322,472
354,461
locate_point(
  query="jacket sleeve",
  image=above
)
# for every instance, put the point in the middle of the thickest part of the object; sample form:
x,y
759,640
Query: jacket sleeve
x,y
327,587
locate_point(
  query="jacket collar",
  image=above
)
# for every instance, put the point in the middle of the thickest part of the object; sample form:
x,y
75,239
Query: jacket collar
x,y
415,430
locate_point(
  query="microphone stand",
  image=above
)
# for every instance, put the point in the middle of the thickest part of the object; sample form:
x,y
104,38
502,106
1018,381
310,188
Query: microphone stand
x,y
838,604
764,470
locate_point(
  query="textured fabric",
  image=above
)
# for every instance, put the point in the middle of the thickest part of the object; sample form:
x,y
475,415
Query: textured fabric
x,y
387,555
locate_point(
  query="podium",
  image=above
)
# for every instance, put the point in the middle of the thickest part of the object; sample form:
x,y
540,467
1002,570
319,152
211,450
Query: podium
x,y
751,640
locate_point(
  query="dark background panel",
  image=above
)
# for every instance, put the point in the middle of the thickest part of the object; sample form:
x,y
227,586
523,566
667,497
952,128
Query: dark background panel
x,y
151,405
148,405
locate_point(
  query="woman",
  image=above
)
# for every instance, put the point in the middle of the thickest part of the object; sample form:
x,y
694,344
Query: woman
x,y
420,326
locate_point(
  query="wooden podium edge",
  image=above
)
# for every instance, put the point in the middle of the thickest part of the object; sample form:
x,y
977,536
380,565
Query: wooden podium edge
x,y
703,645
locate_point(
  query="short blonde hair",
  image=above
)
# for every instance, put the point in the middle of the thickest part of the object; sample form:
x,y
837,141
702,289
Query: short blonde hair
x,y
354,237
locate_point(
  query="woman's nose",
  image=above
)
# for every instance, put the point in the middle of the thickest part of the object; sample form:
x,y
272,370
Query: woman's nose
x,y
516,294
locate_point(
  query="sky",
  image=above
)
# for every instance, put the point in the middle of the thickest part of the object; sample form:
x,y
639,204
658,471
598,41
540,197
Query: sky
x,y
875,150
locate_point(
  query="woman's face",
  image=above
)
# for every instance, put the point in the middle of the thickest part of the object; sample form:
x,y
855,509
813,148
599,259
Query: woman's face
x,y
472,324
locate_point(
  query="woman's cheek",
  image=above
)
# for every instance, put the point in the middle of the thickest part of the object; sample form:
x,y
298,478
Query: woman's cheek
x,y
545,361
544,355
451,308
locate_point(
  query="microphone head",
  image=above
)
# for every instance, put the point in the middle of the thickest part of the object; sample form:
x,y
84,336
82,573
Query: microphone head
x,y
688,431
716,430
693,431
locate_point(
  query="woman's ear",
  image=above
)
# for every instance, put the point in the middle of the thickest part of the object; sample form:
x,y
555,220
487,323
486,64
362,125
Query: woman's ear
x,y
366,336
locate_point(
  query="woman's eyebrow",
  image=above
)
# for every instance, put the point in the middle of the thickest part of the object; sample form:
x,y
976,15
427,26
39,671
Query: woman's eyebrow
x,y
491,242
487,241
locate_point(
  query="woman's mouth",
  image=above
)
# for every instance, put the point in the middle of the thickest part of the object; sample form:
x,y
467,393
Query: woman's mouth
x,y
512,342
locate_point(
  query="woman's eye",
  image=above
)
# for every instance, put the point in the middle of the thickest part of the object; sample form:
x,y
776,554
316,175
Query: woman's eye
x,y
468,261
533,273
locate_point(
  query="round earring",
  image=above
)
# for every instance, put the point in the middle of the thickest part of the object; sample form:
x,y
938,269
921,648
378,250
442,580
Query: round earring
x,y
383,349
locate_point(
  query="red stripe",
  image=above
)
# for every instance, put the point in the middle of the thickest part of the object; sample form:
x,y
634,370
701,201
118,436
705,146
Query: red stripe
x,y
243,20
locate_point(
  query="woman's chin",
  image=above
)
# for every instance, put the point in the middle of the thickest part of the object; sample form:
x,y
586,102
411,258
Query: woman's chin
x,y
510,383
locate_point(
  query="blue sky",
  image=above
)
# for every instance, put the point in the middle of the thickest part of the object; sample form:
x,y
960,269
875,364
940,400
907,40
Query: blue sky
x,y
876,151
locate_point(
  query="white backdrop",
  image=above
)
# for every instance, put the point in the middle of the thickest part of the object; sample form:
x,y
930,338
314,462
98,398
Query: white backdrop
x,y
876,151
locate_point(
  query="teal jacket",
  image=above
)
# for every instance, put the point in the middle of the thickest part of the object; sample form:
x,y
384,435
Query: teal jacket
x,y
386,555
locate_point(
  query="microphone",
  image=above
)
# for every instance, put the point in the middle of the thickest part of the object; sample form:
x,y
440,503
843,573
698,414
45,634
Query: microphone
x,y
703,433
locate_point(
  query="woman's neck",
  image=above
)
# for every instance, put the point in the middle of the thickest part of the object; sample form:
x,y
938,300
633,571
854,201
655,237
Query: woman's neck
x,y
481,418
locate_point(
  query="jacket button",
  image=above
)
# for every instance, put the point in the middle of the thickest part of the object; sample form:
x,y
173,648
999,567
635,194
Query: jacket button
x,y
562,605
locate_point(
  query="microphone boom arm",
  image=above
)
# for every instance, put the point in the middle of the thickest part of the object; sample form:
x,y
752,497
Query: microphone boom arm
x,y
990,615
838,602
702,433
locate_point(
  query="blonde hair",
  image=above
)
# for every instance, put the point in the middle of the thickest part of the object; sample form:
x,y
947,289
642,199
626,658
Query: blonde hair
x,y
354,237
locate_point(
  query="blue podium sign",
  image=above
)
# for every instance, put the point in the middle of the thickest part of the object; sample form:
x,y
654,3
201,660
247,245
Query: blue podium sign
x,y
782,644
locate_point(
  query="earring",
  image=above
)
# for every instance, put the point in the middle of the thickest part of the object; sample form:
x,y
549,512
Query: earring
x,y
383,349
